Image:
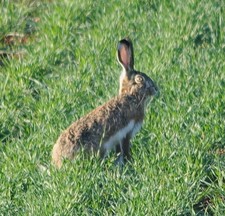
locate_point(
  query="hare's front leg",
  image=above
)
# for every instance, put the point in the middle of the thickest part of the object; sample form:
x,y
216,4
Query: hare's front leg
x,y
124,149
119,151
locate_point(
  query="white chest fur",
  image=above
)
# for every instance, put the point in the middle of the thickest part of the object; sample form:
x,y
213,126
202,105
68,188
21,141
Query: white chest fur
x,y
132,127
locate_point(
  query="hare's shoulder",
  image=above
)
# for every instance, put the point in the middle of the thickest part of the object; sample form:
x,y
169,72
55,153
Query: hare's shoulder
x,y
111,110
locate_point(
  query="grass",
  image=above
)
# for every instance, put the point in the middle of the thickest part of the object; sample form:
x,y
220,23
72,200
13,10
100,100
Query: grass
x,y
68,63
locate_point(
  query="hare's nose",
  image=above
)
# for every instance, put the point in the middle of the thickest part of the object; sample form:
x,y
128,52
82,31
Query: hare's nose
x,y
156,89
153,88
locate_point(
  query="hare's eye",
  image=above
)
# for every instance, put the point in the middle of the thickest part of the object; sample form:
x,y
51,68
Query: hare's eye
x,y
139,79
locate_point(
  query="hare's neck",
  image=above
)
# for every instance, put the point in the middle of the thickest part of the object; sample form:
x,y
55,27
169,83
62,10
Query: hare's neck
x,y
124,83
139,101
122,77
136,107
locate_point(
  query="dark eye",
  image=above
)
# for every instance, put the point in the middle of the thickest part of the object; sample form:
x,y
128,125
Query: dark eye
x,y
139,79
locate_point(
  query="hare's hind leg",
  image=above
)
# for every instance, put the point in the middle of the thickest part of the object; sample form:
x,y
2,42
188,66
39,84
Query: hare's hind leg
x,y
56,156
62,152
63,149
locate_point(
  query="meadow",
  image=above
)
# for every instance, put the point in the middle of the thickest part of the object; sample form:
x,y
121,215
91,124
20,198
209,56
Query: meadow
x,y
58,62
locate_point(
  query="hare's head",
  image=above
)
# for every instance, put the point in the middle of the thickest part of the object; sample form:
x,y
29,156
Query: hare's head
x,y
132,81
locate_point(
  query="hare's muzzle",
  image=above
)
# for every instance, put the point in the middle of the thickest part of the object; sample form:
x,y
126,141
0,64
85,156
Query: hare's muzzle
x,y
153,91
152,88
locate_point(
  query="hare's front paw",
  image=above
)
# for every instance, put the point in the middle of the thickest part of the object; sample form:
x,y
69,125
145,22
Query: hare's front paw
x,y
119,161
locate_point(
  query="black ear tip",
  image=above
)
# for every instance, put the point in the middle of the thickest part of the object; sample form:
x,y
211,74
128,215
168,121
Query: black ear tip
x,y
125,41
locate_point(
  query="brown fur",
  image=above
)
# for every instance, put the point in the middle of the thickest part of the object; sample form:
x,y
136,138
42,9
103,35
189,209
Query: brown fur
x,y
93,130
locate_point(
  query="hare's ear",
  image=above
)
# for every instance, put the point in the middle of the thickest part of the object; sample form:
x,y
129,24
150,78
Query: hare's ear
x,y
125,54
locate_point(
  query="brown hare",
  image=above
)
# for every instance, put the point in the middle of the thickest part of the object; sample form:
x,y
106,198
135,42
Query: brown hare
x,y
112,125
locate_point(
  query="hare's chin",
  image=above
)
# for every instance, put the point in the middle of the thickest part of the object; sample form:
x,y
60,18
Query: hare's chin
x,y
147,101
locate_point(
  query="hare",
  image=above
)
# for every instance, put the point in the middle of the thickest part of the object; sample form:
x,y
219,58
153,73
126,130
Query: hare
x,y
112,125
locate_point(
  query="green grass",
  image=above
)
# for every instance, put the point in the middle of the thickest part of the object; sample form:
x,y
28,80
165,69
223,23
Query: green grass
x,y
70,67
